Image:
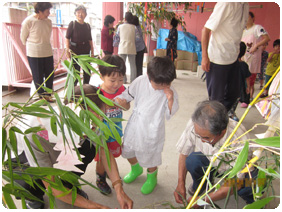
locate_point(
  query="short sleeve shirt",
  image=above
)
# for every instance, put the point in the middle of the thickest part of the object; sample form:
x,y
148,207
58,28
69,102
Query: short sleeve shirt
x,y
224,42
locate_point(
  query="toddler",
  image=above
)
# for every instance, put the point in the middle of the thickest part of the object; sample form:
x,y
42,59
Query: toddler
x,y
144,136
111,87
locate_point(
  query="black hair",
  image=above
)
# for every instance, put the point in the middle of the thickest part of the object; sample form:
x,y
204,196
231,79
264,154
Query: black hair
x,y
108,20
128,17
80,7
174,22
243,48
90,91
251,14
161,70
212,116
42,6
113,60
135,20
276,42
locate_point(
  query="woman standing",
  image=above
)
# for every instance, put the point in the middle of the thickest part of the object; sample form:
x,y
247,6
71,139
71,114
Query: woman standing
x,y
35,34
140,47
107,35
254,36
79,39
171,48
172,40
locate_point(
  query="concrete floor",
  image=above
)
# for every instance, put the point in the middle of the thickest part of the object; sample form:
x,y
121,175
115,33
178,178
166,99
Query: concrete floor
x,y
191,89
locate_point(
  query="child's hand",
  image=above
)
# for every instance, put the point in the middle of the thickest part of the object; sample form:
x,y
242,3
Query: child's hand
x,y
169,93
123,103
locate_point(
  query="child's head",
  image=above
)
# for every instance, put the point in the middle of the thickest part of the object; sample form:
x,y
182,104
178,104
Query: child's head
x,y
128,17
161,71
276,44
243,48
112,76
174,22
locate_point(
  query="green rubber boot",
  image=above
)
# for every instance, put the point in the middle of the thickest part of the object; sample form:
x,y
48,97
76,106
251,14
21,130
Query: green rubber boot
x,y
136,170
150,184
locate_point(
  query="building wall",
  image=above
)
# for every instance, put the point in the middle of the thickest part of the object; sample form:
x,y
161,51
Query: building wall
x,y
266,14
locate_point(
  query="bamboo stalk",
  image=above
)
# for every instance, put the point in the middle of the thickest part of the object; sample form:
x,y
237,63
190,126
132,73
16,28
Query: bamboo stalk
x,y
228,139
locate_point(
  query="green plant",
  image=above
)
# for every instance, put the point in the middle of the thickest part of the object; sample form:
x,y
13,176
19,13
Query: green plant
x,y
79,124
155,12
267,172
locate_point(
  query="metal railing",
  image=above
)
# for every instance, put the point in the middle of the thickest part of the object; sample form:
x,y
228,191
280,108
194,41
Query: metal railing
x,y
17,67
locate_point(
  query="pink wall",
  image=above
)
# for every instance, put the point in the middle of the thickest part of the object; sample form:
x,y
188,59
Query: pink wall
x,y
268,16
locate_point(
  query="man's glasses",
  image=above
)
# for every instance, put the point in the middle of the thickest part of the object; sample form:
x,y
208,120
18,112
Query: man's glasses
x,y
203,139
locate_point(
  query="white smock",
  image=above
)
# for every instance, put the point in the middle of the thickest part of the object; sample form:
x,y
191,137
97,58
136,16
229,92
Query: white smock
x,y
145,130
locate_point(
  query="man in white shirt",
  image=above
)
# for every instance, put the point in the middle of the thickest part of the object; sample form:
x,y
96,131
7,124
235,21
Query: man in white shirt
x,y
203,136
220,51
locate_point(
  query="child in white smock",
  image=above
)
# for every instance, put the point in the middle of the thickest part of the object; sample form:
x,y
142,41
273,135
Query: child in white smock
x,y
144,136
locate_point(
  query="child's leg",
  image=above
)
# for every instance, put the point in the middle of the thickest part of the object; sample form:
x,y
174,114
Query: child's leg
x,y
151,181
101,179
136,170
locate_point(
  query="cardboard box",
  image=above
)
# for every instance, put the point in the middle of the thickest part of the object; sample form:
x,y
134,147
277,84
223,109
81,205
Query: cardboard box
x,y
186,65
161,52
185,55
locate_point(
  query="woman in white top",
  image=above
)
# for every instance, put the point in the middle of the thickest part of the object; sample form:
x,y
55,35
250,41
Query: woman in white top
x,y
35,34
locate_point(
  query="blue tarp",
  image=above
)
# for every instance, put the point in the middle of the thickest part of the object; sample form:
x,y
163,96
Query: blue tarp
x,y
186,42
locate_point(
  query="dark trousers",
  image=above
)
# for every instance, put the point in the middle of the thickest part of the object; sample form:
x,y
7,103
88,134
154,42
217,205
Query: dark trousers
x,y
197,164
139,62
86,77
223,83
87,149
41,68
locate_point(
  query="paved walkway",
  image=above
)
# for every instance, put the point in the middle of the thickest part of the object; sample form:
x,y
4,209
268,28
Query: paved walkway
x,y
191,89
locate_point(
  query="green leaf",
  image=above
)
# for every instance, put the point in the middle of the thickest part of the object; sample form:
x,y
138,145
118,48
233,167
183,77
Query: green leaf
x,y
83,66
16,129
241,160
36,109
33,130
13,141
92,69
37,142
53,124
4,142
30,149
106,100
15,105
40,115
259,203
271,141
9,201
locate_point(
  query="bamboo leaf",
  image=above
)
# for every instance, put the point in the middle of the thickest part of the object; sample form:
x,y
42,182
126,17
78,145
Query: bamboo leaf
x,y
4,143
16,129
33,130
83,66
9,201
241,160
259,203
271,141
53,124
36,109
13,104
92,69
37,142
13,141
40,115
30,149
106,100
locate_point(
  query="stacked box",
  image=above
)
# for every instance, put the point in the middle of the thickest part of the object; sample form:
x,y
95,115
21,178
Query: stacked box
x,y
186,61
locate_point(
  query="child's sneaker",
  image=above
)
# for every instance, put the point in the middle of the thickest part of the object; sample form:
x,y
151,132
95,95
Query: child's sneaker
x,y
244,105
102,184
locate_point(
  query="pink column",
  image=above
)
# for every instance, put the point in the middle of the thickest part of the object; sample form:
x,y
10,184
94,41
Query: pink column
x,y
114,9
